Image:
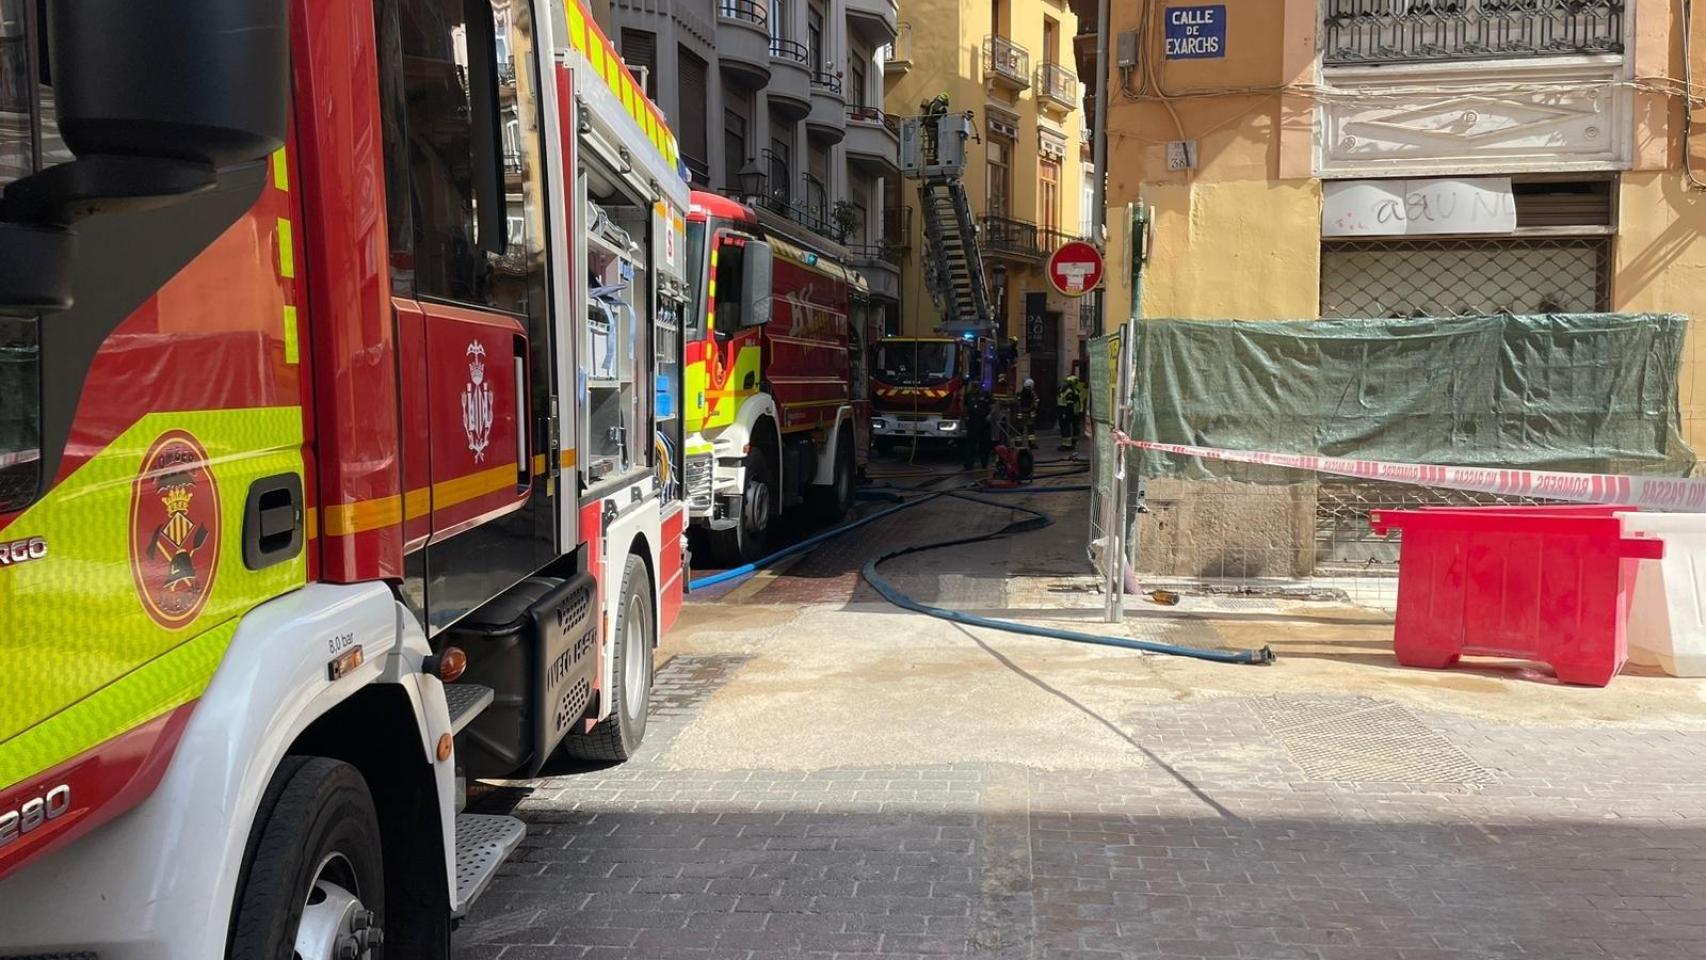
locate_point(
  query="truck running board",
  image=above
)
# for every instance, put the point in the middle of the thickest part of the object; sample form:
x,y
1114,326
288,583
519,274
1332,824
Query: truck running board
x,y
483,843
466,701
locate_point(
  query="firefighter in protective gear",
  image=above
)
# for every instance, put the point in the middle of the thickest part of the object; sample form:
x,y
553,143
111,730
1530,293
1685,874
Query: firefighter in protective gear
x,y
1071,401
1028,414
974,442
933,111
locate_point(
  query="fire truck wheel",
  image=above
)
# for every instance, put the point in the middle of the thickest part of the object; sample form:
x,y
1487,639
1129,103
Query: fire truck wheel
x,y
744,542
618,736
831,503
313,882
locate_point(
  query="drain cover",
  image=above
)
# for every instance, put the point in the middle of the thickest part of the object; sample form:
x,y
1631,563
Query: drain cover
x,y
1362,739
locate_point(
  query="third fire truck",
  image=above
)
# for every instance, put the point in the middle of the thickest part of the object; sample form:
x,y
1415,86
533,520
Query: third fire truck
x,y
340,423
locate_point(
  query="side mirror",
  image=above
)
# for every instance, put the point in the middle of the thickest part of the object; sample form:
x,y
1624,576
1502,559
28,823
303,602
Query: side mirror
x,y
153,99
757,266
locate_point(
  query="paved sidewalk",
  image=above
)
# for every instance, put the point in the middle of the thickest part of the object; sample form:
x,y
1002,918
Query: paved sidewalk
x,y
827,778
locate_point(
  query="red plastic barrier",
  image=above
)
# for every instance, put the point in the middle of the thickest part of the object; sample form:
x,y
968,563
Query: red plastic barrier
x,y
1550,584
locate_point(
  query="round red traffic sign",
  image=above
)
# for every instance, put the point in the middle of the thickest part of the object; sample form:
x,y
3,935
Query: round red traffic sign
x,y
1076,268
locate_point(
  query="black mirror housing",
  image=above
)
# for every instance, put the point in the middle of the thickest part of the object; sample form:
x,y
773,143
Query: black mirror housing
x,y
203,81
757,267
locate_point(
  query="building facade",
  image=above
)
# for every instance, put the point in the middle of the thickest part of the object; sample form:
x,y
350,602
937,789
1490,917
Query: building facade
x,y
779,103
1348,158
1011,64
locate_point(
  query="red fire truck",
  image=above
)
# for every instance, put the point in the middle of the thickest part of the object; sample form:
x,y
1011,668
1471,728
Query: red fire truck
x,y
775,412
340,394
916,384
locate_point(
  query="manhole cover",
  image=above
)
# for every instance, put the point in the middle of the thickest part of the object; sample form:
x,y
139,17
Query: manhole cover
x,y
1362,739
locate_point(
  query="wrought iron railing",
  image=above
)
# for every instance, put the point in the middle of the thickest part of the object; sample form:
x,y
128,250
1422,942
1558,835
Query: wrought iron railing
x,y
1058,84
882,251
792,50
1411,31
873,115
825,80
1004,58
1010,236
812,211
746,11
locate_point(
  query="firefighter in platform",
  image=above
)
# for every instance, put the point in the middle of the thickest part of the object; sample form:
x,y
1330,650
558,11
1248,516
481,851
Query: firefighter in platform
x,y
933,110
1070,402
1027,418
975,443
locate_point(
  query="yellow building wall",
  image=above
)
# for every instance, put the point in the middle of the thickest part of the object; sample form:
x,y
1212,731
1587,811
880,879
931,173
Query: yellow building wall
x,y
1238,235
947,56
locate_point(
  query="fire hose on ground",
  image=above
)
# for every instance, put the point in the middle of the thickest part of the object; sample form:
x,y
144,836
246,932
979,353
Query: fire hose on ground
x,y
1036,520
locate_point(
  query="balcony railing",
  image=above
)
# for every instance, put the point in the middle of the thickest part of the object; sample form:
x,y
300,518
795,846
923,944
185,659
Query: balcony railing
x,y
882,251
1011,236
1007,60
746,11
825,80
792,50
1057,83
873,115
1412,31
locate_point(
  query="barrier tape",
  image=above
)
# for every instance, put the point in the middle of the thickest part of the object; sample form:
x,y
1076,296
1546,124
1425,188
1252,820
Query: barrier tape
x,y
1652,493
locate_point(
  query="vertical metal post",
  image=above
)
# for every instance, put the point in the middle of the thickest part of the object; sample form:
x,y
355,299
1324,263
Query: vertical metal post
x,y
1099,159
1113,509
1120,534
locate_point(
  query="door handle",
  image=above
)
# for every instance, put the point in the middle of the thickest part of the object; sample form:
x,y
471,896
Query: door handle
x,y
272,521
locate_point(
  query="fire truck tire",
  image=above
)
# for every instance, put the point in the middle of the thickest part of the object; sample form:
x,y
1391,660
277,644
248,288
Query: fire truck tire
x,y
745,541
313,881
831,503
618,736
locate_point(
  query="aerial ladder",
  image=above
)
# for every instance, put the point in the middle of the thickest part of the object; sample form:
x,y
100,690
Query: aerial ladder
x,y
932,151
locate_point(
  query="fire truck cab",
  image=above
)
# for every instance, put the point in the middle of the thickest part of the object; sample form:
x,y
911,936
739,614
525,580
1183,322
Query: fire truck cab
x,y
340,433
917,383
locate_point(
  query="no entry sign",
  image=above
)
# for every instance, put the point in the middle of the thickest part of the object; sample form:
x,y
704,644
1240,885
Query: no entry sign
x,y
1075,269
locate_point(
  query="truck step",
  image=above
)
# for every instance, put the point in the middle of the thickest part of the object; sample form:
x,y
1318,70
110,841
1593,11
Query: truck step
x,y
483,843
466,701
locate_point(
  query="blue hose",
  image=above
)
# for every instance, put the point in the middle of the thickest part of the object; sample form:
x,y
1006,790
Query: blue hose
x,y
1036,521
747,569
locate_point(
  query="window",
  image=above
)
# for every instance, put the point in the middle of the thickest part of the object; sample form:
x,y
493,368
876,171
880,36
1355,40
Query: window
x,y
916,363
731,264
640,52
456,94
1048,193
734,148
29,141
693,315
814,39
781,170
693,130
1051,40
997,18
856,78
999,198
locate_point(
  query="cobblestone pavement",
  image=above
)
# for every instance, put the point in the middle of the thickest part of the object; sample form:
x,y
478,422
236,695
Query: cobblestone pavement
x,y
1273,825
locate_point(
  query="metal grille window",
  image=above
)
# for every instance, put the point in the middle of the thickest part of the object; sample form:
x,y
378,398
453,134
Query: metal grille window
x,y
1407,31
1402,278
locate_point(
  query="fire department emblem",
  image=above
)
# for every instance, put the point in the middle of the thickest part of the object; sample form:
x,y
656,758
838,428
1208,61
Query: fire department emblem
x,y
477,408
174,529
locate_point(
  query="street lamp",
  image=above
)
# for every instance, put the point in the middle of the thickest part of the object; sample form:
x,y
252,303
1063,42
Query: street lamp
x,y
751,178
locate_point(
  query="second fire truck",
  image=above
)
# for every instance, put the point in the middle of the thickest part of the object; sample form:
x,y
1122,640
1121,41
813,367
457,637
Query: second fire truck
x,y
775,412
340,429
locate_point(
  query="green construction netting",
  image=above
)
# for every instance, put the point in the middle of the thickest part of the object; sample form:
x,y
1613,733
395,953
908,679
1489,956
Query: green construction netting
x,y
1575,392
